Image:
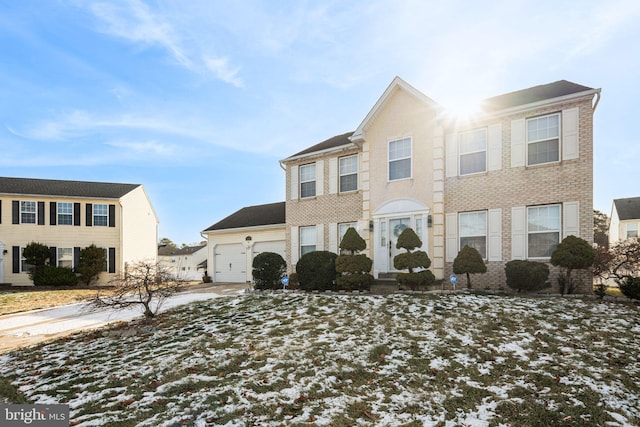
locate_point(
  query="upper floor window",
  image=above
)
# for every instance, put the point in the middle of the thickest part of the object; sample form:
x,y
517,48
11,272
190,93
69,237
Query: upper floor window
x,y
473,151
308,180
65,213
543,230
400,159
632,230
307,239
100,215
543,139
348,173
28,212
65,257
473,231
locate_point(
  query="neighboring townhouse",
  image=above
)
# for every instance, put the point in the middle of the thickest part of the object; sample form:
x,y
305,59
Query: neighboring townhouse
x,y
234,241
512,181
187,263
625,220
68,216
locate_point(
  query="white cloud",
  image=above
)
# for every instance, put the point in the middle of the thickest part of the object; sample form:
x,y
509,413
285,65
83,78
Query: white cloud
x,y
146,147
220,67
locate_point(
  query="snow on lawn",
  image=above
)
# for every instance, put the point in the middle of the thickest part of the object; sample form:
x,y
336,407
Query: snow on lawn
x,y
324,359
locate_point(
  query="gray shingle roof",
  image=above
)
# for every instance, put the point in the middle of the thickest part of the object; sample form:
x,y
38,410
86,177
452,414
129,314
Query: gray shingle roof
x,y
628,208
188,250
534,94
252,216
54,187
333,142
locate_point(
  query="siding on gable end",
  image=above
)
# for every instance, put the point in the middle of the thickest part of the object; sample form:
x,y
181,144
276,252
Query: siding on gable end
x,y
518,232
15,212
294,183
495,147
571,219
518,143
53,213
451,147
295,248
333,175
570,141
89,214
451,234
320,178
495,235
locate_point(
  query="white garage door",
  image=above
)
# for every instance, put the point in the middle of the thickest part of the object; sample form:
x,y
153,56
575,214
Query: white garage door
x,y
231,263
277,247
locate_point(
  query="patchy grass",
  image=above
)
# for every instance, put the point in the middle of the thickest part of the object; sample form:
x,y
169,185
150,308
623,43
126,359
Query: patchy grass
x,y
14,300
343,360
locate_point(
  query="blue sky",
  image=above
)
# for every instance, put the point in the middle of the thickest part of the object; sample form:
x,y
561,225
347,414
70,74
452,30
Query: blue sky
x,y
198,100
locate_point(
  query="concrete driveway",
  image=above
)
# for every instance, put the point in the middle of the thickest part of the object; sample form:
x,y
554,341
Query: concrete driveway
x,y
21,329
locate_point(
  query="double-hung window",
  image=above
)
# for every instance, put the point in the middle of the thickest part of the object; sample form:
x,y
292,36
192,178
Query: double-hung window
x,y
308,180
100,215
473,231
543,139
632,230
348,173
543,230
473,151
307,239
65,213
65,257
27,212
400,159
25,267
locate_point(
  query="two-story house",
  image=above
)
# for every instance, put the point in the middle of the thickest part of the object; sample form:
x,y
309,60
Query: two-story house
x,y
624,222
70,215
512,181
187,263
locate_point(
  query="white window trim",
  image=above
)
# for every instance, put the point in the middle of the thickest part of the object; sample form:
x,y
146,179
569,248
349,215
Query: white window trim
x,y
300,239
340,175
23,261
97,215
58,206
526,247
315,175
527,142
403,158
58,251
486,231
634,228
35,212
486,151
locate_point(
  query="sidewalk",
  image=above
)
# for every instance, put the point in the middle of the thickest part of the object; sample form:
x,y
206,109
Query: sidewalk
x,y
22,329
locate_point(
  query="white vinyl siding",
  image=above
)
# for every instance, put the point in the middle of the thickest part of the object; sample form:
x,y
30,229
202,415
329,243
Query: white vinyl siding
x,y
472,149
308,180
473,231
348,169
65,213
543,230
543,139
400,159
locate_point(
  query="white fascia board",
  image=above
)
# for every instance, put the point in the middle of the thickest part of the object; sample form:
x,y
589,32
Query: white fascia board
x,y
320,153
238,229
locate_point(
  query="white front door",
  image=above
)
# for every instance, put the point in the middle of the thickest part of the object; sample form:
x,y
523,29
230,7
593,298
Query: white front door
x,y
396,226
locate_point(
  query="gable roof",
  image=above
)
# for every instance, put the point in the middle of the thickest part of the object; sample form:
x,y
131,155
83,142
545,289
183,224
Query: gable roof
x,y
534,94
252,216
628,208
187,250
327,144
53,187
396,84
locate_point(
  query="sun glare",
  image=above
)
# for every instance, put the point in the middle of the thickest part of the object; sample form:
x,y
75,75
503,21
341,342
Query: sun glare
x,y
462,110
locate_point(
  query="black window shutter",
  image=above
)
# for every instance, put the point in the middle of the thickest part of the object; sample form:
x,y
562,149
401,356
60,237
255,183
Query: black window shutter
x,y
15,212
76,257
89,214
40,213
76,214
112,260
53,213
112,215
0,211
53,258
16,259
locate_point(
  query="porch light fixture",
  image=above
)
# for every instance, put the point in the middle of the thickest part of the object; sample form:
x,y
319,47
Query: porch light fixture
x,y
370,225
429,221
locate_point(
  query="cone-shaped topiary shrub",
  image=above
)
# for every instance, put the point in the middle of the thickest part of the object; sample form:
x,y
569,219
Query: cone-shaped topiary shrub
x,y
418,260
573,253
469,261
353,268
316,271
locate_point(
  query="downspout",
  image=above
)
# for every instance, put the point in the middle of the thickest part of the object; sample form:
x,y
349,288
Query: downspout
x,y
595,104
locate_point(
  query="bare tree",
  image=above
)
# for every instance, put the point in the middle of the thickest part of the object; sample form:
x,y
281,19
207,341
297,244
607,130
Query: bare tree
x,y
144,284
625,259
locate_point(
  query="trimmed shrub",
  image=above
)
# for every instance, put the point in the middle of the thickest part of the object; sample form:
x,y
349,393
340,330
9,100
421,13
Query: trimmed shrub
x,y
411,261
630,287
49,275
92,259
268,269
573,253
316,271
527,275
469,261
353,268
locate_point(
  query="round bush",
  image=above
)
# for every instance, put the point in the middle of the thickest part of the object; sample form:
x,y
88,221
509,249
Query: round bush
x,y
527,275
268,269
630,287
49,275
316,271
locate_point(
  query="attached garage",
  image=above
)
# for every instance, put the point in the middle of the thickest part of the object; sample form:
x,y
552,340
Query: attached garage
x,y
234,241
